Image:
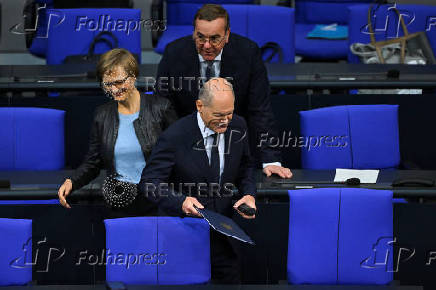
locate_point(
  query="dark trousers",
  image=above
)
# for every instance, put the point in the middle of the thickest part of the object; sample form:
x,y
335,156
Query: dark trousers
x,y
225,259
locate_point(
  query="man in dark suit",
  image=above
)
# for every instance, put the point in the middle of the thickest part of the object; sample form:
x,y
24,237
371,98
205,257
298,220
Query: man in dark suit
x,y
202,156
213,51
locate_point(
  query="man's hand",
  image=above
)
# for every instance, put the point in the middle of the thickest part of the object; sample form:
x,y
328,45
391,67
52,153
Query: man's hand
x,y
64,191
188,206
283,172
248,200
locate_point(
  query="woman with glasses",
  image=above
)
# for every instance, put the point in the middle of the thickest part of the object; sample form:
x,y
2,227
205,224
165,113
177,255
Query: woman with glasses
x,y
123,133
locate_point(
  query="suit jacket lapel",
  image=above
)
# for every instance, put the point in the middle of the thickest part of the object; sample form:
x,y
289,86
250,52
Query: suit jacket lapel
x,y
227,147
199,151
226,69
191,68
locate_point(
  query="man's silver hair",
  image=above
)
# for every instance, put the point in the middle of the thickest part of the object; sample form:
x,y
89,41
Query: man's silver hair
x,y
206,91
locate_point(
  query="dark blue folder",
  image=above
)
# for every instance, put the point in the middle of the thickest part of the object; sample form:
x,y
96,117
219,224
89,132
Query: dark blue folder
x,y
225,225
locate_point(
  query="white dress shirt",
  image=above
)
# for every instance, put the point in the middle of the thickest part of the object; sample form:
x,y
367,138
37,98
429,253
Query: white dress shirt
x,y
208,141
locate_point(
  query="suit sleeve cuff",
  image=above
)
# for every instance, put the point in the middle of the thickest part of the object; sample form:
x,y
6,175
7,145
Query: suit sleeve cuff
x,y
271,163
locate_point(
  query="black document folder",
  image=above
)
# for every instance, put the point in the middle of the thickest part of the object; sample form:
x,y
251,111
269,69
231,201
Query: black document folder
x,y
225,225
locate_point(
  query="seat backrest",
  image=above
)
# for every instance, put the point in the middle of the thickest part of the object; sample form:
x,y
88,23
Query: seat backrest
x,y
182,12
360,137
158,250
335,233
16,251
385,23
324,11
32,139
279,28
72,31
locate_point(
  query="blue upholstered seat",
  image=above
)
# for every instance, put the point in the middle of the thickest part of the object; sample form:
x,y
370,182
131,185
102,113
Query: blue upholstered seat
x,y
309,13
16,251
74,34
32,139
359,137
174,250
335,233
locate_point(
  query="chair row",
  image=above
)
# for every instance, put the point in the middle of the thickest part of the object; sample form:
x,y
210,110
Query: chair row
x,y
64,32
336,236
359,136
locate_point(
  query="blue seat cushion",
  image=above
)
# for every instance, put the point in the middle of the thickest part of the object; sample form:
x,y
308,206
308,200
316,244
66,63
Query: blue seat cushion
x,y
365,236
375,136
16,251
80,26
313,214
340,236
185,244
261,34
326,132
29,133
318,48
131,250
368,137
172,33
177,250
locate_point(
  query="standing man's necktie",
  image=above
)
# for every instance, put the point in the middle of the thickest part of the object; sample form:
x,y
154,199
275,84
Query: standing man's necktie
x,y
215,158
210,71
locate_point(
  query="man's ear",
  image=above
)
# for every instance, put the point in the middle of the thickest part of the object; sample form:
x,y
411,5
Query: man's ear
x,y
199,105
227,35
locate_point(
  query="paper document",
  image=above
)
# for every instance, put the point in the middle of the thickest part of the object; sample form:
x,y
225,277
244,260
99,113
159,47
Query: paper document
x,y
365,176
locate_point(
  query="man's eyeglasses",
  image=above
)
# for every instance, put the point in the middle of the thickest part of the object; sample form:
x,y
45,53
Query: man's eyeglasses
x,y
213,40
116,83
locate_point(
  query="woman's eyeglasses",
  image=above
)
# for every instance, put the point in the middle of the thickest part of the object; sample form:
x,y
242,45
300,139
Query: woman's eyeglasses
x,y
116,83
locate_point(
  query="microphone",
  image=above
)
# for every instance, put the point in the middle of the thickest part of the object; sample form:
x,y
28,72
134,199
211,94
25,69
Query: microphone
x,y
354,181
